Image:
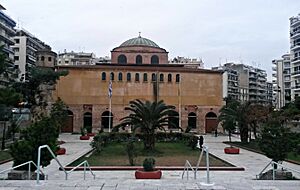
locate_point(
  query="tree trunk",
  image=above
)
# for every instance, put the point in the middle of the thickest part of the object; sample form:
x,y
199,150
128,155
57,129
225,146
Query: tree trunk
x,y
244,133
229,135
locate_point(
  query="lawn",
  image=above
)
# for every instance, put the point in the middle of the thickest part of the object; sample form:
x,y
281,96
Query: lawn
x,y
4,155
253,146
166,154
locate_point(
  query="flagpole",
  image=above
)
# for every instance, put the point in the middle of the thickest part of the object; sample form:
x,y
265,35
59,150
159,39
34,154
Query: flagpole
x,y
109,119
109,96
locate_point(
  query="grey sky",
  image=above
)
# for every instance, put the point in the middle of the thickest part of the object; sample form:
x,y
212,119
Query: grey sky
x,y
253,31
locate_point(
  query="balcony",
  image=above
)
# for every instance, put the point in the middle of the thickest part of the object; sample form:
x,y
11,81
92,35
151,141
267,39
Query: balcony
x,y
295,73
295,34
295,46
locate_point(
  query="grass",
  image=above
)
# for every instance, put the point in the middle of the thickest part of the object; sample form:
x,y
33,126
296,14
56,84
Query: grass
x,y
253,145
165,154
4,155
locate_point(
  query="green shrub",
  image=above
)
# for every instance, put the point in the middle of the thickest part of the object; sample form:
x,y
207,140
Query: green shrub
x,y
43,132
83,131
149,164
88,129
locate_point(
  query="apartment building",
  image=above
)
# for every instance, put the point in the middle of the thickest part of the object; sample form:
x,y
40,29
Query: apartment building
x,y
76,58
281,79
26,46
230,82
251,83
188,62
7,31
295,55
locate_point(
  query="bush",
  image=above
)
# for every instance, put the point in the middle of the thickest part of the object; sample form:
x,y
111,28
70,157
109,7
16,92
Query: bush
x,y
88,129
149,164
83,131
39,133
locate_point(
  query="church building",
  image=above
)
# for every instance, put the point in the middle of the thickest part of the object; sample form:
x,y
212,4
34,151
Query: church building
x,y
139,69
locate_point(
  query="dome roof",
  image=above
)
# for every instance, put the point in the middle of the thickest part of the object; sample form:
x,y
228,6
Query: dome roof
x,y
139,41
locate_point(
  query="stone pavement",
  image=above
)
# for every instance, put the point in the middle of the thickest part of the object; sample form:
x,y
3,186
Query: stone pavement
x,y
124,180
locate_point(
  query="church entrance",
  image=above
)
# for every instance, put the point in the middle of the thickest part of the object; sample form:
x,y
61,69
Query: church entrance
x,y
211,122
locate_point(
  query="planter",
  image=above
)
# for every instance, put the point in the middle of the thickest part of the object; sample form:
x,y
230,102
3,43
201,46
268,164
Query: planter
x,y
84,137
61,151
91,134
141,174
231,150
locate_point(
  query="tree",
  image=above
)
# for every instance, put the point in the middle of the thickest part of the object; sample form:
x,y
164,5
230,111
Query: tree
x,y
59,113
235,114
148,117
274,140
39,133
228,117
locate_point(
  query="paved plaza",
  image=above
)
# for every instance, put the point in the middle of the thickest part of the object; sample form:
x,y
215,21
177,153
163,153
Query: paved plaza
x,y
124,180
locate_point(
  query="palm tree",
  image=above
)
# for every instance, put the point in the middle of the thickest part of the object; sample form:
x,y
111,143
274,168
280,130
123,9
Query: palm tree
x,y
148,117
236,113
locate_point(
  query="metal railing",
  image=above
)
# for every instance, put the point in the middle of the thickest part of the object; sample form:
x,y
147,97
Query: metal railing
x,y
272,163
85,163
29,169
188,166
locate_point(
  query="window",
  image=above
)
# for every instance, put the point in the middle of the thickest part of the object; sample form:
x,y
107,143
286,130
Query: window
x,y
49,58
42,58
16,49
112,76
66,62
120,77
154,60
177,78
153,78
17,41
145,77
137,77
103,76
122,59
128,77
161,78
139,59
169,77
16,58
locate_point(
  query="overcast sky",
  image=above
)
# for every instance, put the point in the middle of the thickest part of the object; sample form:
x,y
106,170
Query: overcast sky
x,y
253,32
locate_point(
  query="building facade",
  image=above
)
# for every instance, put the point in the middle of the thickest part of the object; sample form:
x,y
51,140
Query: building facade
x,y
7,31
26,45
188,62
76,58
140,70
295,55
245,83
281,79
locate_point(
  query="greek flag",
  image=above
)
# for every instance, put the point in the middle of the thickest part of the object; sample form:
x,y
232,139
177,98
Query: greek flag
x,y
110,89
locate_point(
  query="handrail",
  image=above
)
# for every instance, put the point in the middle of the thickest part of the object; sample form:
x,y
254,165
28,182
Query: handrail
x,y
53,155
188,166
86,164
273,169
29,168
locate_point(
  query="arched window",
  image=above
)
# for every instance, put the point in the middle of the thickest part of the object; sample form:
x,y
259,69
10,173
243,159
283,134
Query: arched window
x,y
105,120
122,59
42,58
103,76
120,77
153,78
169,77
154,60
177,78
173,121
128,77
87,119
192,120
112,76
139,59
161,78
137,77
145,77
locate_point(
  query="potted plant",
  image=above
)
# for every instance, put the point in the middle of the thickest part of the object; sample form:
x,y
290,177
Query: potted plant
x,y
89,131
60,151
83,134
148,171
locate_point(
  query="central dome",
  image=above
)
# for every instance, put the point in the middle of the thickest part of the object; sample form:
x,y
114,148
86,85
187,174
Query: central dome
x,y
139,41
